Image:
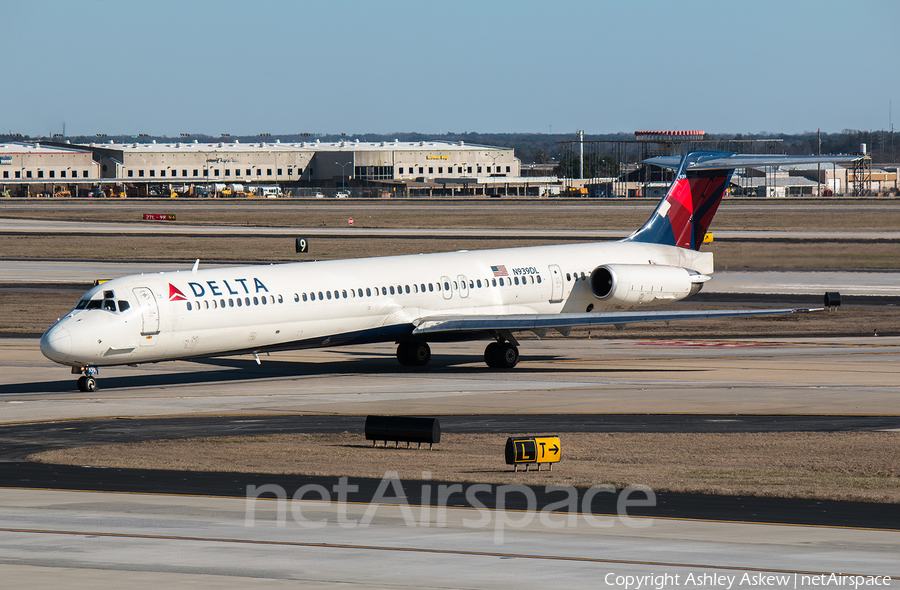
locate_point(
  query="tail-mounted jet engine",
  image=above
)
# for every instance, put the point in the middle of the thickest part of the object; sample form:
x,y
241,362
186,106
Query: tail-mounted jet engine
x,y
626,285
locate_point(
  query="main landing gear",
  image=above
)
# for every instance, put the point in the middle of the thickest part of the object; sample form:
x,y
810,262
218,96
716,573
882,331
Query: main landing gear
x,y
88,381
502,354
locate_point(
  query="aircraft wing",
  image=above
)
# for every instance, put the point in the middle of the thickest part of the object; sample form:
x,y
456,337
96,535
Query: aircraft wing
x,y
519,322
722,161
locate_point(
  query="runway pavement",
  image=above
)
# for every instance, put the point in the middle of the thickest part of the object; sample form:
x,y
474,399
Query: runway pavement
x,y
76,539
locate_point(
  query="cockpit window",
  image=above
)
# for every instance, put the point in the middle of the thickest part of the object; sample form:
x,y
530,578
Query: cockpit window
x,y
109,305
123,305
94,304
82,304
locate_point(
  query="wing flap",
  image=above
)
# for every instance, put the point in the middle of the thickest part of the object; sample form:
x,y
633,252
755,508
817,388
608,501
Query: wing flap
x,y
528,322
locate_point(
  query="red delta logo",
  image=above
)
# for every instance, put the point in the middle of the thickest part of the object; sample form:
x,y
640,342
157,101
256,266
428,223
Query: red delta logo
x,y
175,294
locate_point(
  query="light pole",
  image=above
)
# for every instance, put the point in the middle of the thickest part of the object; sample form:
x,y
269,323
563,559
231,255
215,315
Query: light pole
x,y
343,175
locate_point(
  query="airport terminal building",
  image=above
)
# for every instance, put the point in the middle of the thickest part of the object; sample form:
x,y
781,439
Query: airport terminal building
x,y
234,168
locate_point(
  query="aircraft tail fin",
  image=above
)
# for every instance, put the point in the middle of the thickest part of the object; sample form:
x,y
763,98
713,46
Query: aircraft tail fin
x,y
702,177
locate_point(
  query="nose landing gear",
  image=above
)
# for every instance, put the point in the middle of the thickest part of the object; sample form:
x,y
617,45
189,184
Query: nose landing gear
x,y
88,381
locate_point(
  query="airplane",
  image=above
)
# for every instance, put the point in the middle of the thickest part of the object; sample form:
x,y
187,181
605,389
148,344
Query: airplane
x,y
414,300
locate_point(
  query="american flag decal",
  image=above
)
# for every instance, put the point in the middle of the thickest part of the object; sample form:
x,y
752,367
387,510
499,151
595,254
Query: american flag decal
x,y
500,271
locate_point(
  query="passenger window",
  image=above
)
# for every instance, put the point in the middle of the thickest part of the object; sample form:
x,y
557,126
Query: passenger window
x,y
189,306
368,292
430,287
446,286
582,276
359,292
494,282
123,306
392,289
246,301
207,304
239,302
328,294
297,297
568,277
231,303
471,284
255,301
304,297
539,278
344,293
423,287
336,295
407,289
321,297
263,298
384,290
222,303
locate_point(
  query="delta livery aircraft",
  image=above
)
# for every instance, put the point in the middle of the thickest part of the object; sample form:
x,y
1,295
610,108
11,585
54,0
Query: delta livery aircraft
x,y
417,299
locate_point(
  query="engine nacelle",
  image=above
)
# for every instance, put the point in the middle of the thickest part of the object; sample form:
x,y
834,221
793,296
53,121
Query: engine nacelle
x,y
627,285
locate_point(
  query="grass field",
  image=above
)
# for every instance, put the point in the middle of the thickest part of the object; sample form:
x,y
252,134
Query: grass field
x,y
792,465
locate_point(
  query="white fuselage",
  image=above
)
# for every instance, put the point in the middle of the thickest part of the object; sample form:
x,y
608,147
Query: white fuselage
x,y
254,308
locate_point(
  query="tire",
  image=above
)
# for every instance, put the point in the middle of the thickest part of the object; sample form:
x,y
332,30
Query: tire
x,y
405,353
413,354
508,357
87,384
492,355
420,353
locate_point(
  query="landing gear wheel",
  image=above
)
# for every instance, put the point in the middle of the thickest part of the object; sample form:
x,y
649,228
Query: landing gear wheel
x,y
413,354
501,355
86,383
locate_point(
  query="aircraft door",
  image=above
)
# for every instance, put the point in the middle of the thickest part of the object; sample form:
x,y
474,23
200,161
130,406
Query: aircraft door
x,y
463,286
446,287
556,284
149,310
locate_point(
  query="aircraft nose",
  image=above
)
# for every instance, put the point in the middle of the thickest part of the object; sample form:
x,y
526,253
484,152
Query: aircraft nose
x,y
56,344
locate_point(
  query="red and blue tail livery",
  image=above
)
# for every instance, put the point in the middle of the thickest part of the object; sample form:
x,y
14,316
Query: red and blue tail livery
x,y
702,178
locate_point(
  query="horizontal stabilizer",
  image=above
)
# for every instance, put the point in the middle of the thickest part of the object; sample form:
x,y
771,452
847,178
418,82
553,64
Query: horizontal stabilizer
x,y
435,324
722,161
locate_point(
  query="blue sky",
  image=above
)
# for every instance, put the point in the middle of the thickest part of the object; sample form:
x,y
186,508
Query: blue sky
x,y
166,67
